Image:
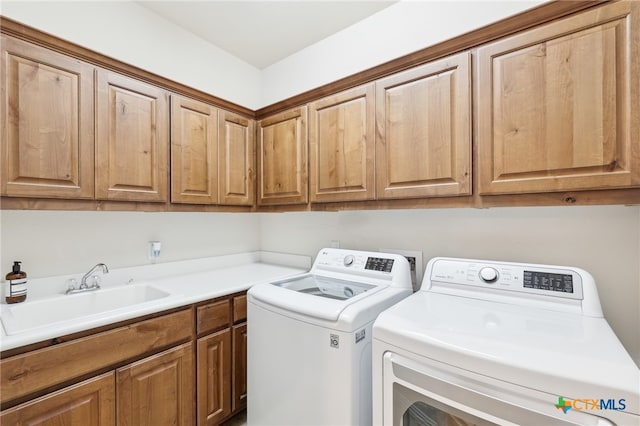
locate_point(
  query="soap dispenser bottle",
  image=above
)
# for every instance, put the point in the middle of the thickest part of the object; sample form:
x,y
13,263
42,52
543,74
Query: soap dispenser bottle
x,y
16,287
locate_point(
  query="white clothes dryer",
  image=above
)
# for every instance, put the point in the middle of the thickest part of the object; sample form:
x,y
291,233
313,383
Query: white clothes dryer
x,y
309,339
498,343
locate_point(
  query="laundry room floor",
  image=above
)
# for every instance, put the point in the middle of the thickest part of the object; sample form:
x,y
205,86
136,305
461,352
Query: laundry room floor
x,y
238,420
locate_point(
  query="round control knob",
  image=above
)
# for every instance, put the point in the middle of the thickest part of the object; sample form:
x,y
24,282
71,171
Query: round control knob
x,y
488,275
349,259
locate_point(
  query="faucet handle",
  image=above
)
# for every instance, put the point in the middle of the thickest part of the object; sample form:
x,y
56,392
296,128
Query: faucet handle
x,y
94,281
72,284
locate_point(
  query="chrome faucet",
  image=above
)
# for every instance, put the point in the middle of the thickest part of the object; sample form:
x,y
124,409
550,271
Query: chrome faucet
x,y
95,285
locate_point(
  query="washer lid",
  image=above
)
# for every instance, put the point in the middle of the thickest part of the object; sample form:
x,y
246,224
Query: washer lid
x,y
566,354
314,295
331,288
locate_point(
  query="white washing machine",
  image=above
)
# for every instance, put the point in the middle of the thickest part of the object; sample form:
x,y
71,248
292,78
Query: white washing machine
x,y
309,339
484,343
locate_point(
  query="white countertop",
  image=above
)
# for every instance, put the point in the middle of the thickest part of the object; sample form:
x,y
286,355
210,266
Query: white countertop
x,y
186,282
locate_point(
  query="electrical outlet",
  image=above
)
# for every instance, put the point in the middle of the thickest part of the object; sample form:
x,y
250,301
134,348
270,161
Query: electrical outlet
x,y
415,264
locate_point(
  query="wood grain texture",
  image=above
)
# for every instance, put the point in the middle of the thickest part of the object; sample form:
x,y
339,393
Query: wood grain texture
x,y
31,372
282,158
236,159
24,32
132,139
240,308
423,137
554,106
213,316
194,151
47,123
158,390
91,402
239,386
341,146
214,378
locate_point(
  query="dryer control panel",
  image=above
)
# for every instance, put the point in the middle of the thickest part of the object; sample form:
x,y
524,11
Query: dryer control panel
x,y
516,283
533,279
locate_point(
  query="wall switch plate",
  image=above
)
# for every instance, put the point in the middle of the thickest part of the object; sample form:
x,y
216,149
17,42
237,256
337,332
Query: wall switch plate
x,y
415,263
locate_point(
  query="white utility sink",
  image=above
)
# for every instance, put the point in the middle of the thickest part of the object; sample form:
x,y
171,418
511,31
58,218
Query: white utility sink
x,y
32,315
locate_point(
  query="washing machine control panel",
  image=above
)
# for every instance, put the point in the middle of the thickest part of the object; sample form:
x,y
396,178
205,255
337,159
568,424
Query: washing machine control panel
x,y
379,264
533,279
355,261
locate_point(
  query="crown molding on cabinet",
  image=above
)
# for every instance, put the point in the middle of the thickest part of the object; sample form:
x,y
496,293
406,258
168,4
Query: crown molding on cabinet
x,y
32,35
529,18
538,15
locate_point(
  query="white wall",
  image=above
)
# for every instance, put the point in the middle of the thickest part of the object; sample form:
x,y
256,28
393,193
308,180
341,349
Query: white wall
x,y
55,242
400,29
603,240
130,33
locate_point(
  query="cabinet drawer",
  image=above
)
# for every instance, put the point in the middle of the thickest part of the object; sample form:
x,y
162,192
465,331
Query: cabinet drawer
x,y
239,308
35,371
213,316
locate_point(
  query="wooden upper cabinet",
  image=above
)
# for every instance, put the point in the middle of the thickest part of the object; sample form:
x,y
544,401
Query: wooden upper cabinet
x,y
194,151
555,106
341,146
132,139
282,158
423,139
236,159
47,123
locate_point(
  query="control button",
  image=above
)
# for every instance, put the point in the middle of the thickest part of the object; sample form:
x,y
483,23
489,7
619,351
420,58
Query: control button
x,y
349,259
488,275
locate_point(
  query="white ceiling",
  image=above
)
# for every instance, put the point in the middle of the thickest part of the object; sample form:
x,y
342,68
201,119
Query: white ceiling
x,y
264,32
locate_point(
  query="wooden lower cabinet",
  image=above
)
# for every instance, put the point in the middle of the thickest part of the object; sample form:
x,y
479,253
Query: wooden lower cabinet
x,y
202,381
87,403
157,390
214,377
239,387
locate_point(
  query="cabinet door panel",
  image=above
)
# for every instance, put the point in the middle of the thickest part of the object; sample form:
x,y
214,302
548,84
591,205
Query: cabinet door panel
x,y
239,388
236,159
158,390
214,378
88,403
423,140
341,146
194,152
554,107
132,129
47,116
282,162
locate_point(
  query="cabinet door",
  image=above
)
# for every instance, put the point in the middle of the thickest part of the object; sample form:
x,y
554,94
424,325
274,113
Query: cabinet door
x,y
214,381
132,135
47,123
239,388
341,146
554,106
194,151
88,403
423,139
236,159
157,390
282,158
